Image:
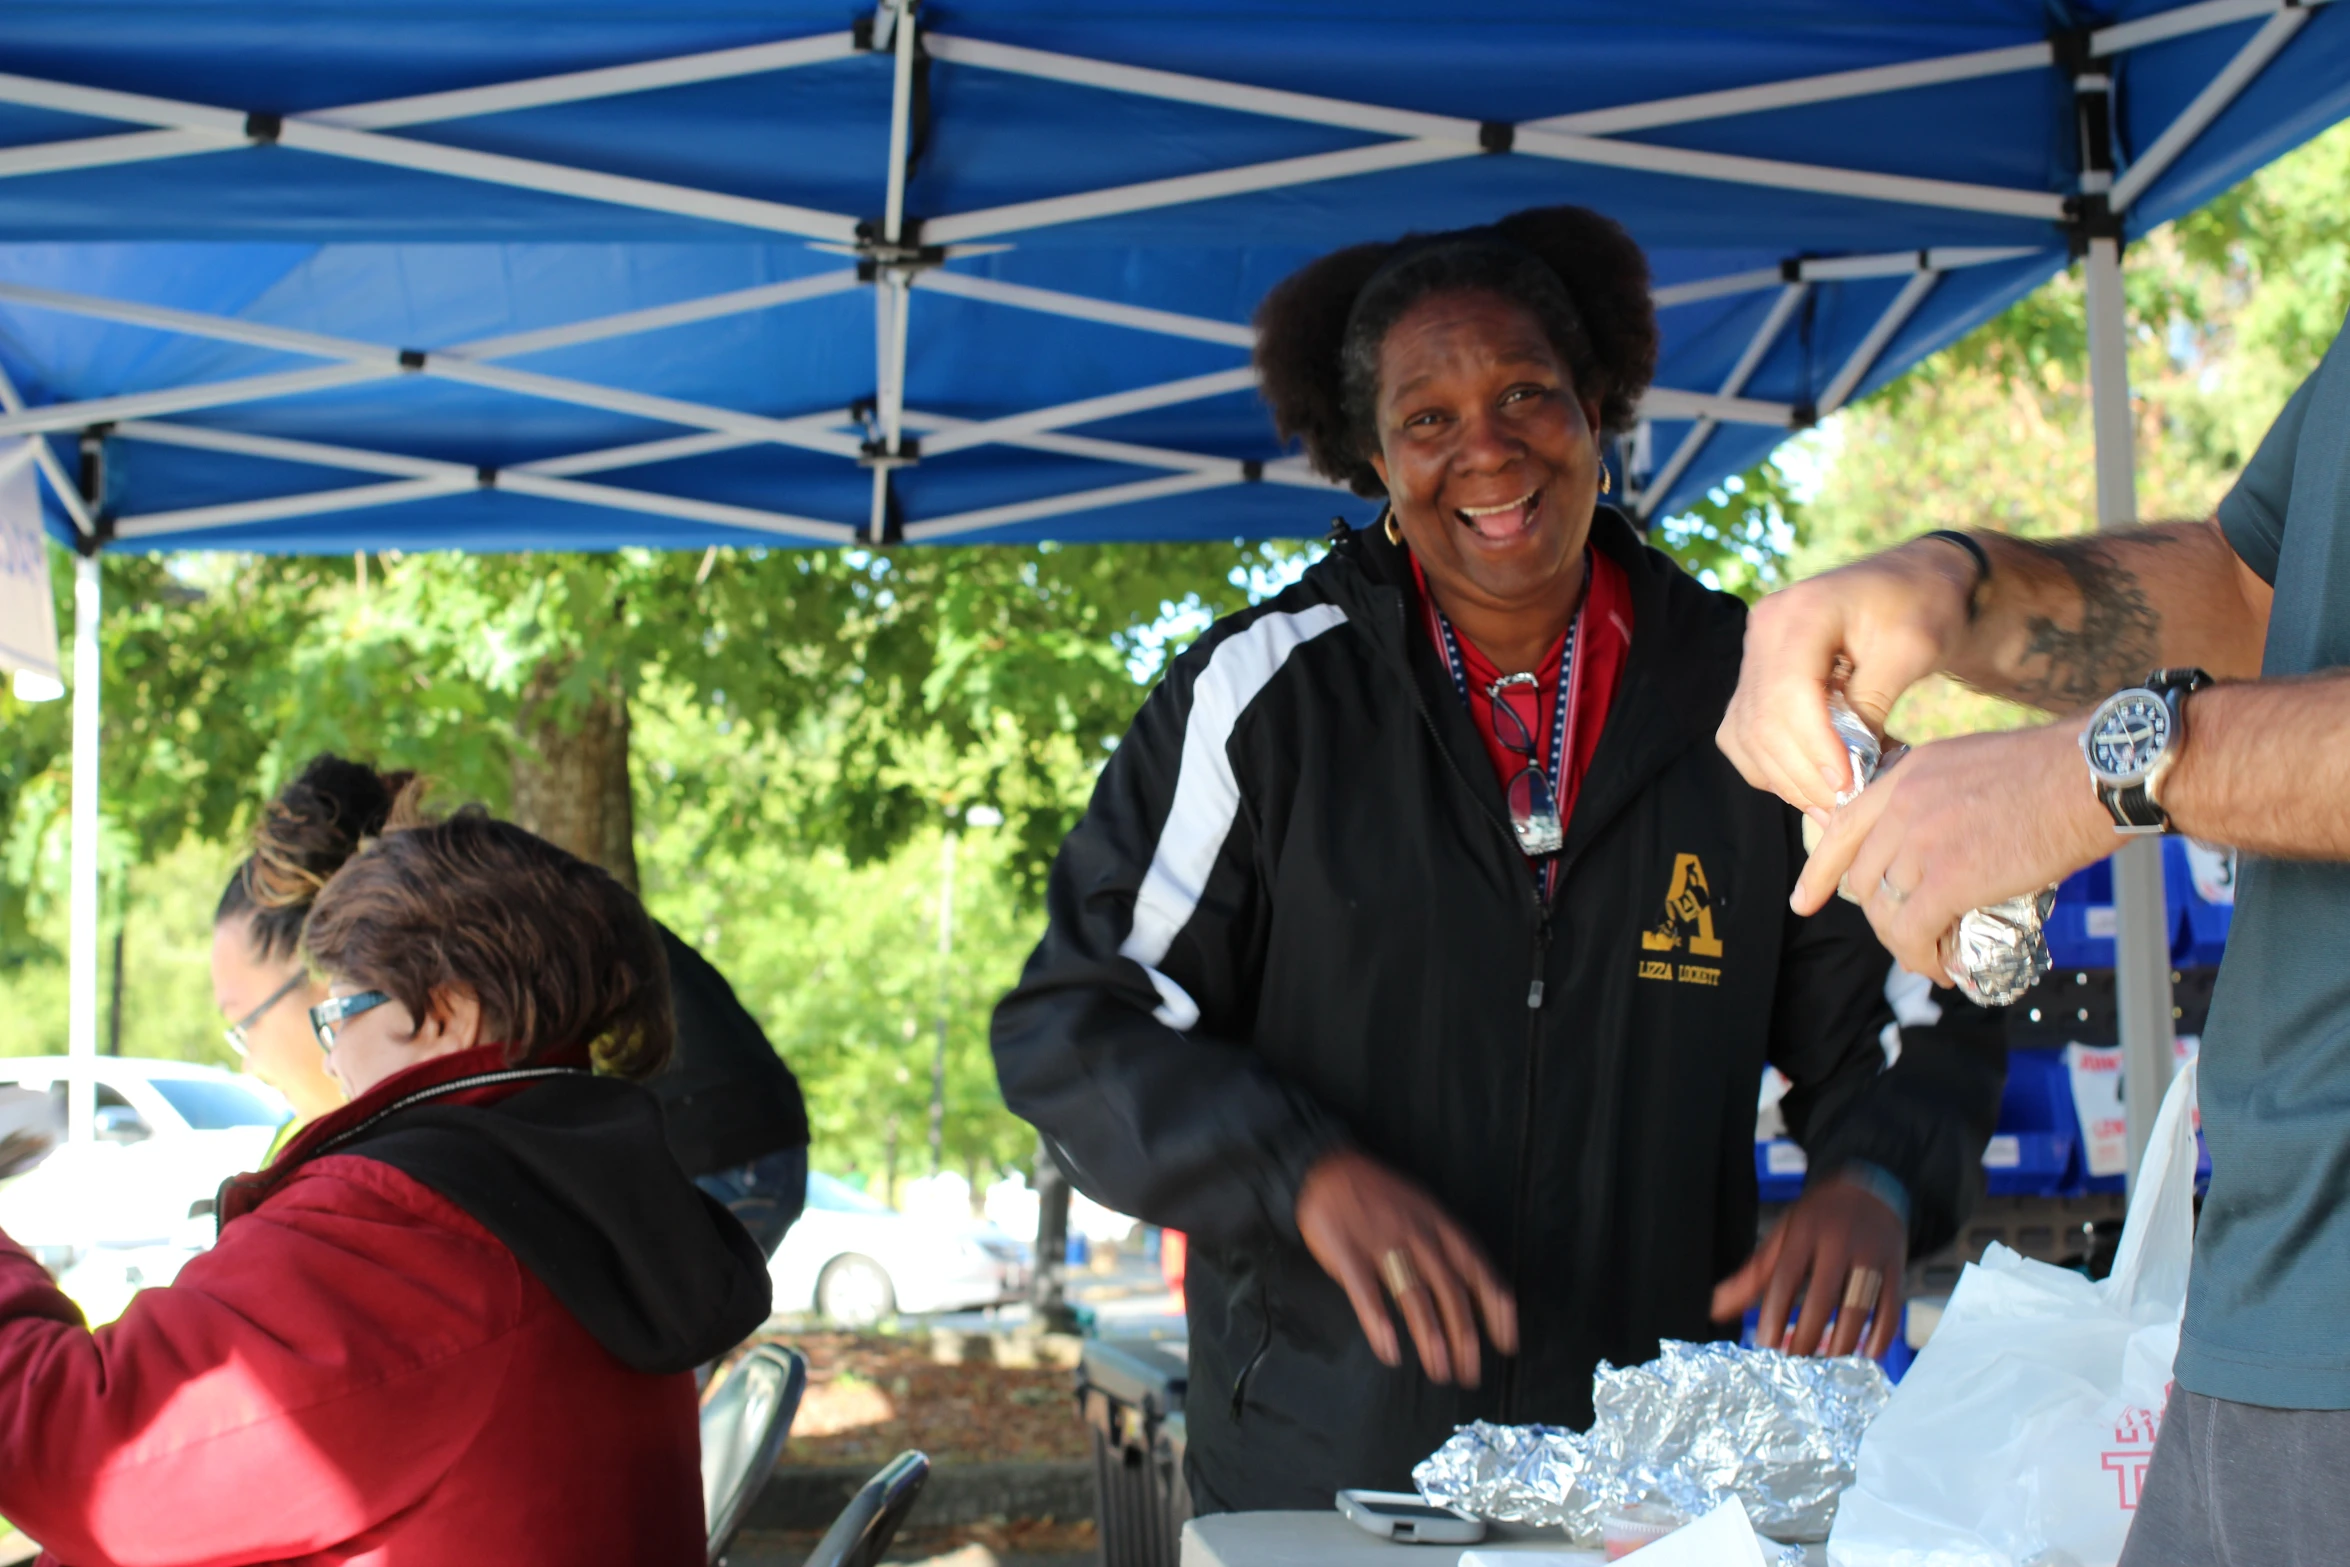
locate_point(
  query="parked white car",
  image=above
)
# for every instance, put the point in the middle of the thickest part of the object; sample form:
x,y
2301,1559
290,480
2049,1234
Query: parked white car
x,y
168,1133
854,1260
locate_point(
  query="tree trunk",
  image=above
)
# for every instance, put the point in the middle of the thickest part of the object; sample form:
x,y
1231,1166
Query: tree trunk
x,y
571,775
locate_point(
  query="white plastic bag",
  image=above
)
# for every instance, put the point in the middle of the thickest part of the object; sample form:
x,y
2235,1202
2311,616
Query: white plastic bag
x,y
2021,1435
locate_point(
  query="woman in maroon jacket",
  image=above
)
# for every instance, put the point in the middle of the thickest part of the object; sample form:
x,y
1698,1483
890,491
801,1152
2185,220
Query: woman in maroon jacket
x,y
454,1320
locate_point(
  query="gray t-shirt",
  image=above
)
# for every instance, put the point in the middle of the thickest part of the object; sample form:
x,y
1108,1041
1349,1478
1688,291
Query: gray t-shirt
x,y
2268,1306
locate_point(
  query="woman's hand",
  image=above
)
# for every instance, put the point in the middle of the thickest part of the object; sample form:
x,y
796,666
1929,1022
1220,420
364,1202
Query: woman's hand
x,y
1843,1247
1379,1235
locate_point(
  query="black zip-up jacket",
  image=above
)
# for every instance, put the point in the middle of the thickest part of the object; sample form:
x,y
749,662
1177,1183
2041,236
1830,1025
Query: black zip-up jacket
x,y
1294,918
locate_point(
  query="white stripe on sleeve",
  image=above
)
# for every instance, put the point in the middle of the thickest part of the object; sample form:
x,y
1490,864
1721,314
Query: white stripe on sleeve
x,y
1207,797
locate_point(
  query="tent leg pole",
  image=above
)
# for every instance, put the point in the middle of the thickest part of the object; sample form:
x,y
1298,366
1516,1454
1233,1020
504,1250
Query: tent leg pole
x,y
82,955
2142,972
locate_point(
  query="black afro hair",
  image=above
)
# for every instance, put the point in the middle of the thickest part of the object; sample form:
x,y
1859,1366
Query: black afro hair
x,y
1319,330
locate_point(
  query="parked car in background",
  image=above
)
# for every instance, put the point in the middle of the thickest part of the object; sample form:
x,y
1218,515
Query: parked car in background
x,y
168,1133
856,1260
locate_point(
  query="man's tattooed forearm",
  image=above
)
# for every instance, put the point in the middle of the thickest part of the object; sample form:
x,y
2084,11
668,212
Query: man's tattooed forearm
x,y
2117,640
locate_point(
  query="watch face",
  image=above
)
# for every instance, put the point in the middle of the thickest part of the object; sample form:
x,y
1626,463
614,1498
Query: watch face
x,y
2126,736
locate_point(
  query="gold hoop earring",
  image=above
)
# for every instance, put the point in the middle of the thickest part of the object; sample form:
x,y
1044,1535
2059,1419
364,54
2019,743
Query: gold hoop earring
x,y
1606,481
1394,533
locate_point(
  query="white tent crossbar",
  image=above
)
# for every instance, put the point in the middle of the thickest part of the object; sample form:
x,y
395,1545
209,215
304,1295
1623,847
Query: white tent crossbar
x,y
1059,505
185,399
422,478
1664,402
609,81
619,190
2165,25
1913,294
1757,348
317,133
1751,282
69,496
355,497
1802,90
808,431
2206,106
369,362
192,323
642,454
1837,269
1090,410
1279,174
97,152
1209,92
765,296
1020,296
1773,173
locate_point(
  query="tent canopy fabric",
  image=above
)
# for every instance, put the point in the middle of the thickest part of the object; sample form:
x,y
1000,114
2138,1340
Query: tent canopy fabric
x,y
516,274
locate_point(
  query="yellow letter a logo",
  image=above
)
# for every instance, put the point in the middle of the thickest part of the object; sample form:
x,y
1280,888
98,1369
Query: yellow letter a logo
x,y
1689,912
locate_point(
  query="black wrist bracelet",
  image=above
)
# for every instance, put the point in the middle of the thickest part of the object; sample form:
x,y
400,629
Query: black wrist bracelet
x,y
1982,559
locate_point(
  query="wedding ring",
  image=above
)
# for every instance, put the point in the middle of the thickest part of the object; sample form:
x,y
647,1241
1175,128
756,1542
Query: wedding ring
x,y
1860,1290
1396,1268
1892,893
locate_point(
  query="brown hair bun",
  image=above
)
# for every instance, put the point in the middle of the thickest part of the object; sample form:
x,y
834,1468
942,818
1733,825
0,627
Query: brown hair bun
x,y
315,824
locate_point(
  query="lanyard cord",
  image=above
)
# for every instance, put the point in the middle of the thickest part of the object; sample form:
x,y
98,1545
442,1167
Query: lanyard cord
x,y
1562,708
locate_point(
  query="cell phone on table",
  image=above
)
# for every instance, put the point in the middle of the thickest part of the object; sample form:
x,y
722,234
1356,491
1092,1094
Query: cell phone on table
x,y
1403,1517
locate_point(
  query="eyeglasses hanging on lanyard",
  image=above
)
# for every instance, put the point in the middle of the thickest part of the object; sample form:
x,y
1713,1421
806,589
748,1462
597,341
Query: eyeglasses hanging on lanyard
x,y
1533,800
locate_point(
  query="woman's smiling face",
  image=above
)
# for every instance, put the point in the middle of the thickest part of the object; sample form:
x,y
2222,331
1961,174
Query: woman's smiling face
x,y
1487,453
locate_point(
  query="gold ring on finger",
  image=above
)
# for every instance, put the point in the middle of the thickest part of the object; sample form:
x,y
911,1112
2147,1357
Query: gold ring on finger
x,y
1861,1289
1395,1266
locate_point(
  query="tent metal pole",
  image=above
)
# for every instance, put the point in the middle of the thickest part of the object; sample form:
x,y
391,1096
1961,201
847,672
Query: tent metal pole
x,y
2142,973
82,940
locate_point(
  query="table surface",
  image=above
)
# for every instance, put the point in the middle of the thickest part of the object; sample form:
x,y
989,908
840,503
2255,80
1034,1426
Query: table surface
x,y
1326,1539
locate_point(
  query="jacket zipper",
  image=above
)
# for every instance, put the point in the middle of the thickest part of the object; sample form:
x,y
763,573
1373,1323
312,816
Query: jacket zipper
x,y
1534,998
1534,985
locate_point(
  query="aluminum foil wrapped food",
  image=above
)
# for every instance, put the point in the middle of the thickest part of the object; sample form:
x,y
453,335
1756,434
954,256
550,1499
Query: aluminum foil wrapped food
x,y
1992,954
1694,1427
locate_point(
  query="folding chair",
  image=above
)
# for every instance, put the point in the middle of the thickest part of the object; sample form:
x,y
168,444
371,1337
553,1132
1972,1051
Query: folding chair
x,y
862,1532
745,1419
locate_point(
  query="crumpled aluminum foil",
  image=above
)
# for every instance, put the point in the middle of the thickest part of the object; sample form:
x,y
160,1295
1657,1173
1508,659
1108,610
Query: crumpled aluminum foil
x,y
1992,954
1697,1425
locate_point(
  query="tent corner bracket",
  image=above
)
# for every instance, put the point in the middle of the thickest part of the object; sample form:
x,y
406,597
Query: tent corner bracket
x,y
877,453
2090,217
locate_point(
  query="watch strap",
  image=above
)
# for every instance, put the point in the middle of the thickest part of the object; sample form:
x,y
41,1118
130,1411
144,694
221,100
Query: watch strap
x,y
2178,681
2133,811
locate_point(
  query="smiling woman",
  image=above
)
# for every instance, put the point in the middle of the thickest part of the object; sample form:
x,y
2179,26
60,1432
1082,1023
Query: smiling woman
x,y
1419,956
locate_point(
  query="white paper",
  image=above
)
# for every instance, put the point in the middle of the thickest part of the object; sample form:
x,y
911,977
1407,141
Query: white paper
x,y
28,615
2096,1074
1722,1538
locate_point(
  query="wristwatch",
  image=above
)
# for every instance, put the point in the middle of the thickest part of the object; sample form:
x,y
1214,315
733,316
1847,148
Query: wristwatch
x,y
2133,738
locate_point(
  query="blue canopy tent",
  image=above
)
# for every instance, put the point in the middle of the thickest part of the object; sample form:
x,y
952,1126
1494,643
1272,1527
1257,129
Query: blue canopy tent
x,y
516,274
